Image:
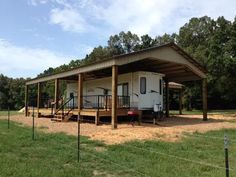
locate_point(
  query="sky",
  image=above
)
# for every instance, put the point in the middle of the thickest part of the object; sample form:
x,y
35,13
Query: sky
x,y
38,34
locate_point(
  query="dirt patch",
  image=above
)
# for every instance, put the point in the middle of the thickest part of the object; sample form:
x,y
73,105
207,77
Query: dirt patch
x,y
172,129
99,173
42,127
100,149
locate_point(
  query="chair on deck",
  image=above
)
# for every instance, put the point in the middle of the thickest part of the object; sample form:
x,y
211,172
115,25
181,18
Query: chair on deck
x,y
133,114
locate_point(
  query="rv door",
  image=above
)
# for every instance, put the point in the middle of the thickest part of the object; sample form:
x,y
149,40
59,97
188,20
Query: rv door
x,y
143,95
149,95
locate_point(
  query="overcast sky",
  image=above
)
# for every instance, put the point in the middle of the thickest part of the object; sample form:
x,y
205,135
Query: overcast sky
x,y
37,34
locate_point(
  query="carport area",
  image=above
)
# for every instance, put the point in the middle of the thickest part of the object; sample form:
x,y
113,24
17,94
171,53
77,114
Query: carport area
x,y
169,59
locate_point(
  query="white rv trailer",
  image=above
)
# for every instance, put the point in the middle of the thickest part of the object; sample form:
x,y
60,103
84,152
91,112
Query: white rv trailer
x,y
144,89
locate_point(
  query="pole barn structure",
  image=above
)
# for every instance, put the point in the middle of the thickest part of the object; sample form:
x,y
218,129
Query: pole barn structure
x,y
173,64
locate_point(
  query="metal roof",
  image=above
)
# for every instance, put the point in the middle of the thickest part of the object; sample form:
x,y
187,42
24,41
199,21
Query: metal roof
x,y
158,58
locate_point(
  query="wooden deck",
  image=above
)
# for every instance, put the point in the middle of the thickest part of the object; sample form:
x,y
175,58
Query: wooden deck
x,y
46,112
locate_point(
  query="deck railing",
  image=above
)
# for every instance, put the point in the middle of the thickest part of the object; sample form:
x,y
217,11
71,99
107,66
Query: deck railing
x,y
46,102
66,106
89,102
104,102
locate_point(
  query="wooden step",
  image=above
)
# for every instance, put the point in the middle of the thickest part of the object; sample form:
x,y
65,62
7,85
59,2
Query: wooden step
x,y
67,117
56,119
57,116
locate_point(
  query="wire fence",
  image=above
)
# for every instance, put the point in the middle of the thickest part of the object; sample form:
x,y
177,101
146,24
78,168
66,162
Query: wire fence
x,y
196,162
107,159
226,144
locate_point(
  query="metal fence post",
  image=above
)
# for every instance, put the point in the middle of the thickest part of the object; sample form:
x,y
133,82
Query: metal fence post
x,y
78,138
33,125
8,117
226,155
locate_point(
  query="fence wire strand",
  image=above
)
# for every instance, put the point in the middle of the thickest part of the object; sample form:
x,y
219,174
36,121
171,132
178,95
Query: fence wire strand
x,y
180,158
117,164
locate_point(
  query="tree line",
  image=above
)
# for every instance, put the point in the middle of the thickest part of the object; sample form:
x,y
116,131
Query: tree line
x,y
211,42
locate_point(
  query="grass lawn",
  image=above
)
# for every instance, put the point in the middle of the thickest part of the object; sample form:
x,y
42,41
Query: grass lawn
x,y
5,113
198,112
55,155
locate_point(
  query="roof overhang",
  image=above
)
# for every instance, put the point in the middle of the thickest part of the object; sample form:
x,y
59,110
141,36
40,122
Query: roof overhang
x,y
168,59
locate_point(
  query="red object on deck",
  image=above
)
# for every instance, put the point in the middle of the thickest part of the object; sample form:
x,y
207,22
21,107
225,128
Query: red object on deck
x,y
132,113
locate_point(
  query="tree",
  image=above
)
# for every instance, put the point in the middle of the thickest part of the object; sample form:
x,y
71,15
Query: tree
x,y
146,42
166,38
123,43
4,92
99,53
11,92
211,43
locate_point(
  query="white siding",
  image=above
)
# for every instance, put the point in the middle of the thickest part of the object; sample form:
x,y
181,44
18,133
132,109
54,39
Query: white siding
x,y
93,87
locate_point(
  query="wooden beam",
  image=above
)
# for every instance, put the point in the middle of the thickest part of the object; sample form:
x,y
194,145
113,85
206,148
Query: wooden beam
x,y
181,74
114,96
183,78
204,98
175,73
56,94
180,101
26,99
167,65
176,68
80,91
167,97
38,98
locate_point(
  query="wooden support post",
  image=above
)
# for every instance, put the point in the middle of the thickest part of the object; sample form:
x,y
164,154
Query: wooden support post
x,y
80,91
114,96
97,118
26,99
56,94
180,101
204,98
140,115
167,97
38,99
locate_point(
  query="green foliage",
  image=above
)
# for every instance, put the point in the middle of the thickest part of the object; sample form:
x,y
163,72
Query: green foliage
x,y
212,43
11,92
5,113
99,53
64,67
166,38
123,43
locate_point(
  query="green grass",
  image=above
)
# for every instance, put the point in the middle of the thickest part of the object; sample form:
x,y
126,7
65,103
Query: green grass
x,y
12,112
198,112
55,155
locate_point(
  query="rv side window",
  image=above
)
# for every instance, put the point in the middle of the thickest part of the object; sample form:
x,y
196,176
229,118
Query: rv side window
x,y
160,86
125,89
143,85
